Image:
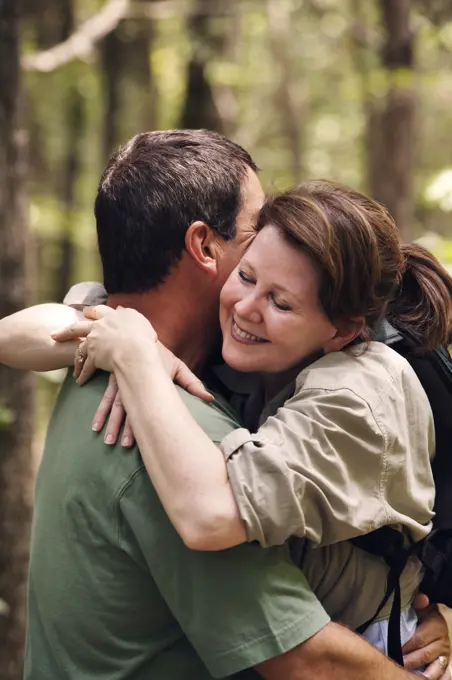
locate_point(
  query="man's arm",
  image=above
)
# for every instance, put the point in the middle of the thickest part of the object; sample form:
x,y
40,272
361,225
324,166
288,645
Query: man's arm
x,y
334,653
246,606
237,607
25,340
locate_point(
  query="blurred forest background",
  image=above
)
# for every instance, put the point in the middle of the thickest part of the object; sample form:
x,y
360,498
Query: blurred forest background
x,y
359,91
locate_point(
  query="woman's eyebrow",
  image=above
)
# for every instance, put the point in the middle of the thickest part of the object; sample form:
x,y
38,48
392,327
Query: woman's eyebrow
x,y
297,297
246,263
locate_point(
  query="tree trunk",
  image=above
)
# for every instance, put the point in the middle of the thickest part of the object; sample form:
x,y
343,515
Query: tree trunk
x,y
129,87
200,110
75,119
391,125
292,108
16,390
110,65
49,24
139,84
53,21
229,47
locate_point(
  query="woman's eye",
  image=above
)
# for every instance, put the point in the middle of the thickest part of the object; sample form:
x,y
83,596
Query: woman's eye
x,y
245,277
281,306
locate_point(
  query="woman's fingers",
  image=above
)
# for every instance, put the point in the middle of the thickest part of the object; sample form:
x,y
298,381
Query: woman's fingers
x,y
80,358
105,405
115,420
182,375
97,312
84,371
79,329
188,380
128,438
111,409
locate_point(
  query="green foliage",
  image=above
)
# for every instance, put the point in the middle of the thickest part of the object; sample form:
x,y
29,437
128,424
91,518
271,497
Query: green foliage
x,y
331,59
443,252
7,417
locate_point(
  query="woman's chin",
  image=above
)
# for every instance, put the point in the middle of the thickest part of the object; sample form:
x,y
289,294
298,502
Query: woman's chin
x,y
236,360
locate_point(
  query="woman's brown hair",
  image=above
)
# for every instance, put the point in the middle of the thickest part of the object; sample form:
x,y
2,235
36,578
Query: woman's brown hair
x,y
364,268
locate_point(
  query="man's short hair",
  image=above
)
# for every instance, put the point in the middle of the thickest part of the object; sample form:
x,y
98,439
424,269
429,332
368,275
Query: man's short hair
x,y
152,190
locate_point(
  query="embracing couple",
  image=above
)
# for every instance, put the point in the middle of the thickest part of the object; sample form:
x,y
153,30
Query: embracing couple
x,y
220,547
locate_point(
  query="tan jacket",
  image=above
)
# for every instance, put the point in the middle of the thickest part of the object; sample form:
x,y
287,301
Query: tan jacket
x,y
347,453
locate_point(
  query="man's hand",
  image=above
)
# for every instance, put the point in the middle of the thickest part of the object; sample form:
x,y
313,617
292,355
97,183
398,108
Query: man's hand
x,y
334,653
430,644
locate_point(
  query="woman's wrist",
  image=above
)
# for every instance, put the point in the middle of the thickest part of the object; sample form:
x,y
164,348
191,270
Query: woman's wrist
x,y
134,355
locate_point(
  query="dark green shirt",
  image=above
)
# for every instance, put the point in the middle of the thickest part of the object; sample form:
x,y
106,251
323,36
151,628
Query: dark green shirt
x,y
115,594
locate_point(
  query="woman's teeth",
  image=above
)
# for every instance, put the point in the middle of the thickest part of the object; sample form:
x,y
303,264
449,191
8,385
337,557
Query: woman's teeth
x,y
246,336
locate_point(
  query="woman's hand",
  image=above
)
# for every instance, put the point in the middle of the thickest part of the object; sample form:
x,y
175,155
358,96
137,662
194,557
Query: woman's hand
x,y
430,644
108,333
111,409
111,334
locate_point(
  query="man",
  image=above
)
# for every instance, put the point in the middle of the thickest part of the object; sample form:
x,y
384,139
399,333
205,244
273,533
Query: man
x,y
114,593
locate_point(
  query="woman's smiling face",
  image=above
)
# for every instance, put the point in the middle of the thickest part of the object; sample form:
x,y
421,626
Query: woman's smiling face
x,y
270,314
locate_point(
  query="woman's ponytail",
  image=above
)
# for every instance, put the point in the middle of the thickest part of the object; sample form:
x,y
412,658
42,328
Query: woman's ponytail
x,y
424,298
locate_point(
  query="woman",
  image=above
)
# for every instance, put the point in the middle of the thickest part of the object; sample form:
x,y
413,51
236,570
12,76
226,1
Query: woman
x,y
349,448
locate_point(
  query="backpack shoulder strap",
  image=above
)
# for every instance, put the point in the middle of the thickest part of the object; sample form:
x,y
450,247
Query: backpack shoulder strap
x,y
434,370
388,543
387,333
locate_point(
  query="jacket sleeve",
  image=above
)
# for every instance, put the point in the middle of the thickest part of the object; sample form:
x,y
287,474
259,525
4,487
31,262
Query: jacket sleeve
x,y
315,469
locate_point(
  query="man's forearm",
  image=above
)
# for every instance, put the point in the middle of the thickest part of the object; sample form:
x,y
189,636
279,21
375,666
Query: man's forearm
x,y
334,653
25,340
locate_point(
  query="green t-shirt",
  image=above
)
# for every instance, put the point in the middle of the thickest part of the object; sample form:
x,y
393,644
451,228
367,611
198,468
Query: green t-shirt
x,y
115,594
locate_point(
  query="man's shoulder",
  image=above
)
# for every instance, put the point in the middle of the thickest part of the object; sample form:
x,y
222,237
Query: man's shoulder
x,y
81,455
84,452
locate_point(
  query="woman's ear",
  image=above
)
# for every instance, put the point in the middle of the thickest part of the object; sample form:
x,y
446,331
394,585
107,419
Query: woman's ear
x,y
346,332
201,246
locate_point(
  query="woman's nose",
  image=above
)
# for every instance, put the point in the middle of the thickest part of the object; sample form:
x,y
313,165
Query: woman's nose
x,y
248,309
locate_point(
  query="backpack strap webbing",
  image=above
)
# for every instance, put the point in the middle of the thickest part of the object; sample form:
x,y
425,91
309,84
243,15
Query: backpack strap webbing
x,y
388,543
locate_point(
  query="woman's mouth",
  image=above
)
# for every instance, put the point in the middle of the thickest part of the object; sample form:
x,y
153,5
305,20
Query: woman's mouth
x,y
242,336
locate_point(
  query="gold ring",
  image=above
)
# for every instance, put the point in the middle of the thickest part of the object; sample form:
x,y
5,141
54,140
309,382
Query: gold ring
x,y
443,660
81,354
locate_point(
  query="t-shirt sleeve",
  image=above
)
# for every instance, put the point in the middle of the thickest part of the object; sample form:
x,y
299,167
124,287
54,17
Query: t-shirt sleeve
x,y
315,469
237,607
85,294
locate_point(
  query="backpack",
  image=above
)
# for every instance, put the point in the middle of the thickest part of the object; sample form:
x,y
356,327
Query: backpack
x,y
434,370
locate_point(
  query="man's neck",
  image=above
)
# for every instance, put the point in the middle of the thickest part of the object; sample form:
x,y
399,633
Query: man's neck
x,y
185,326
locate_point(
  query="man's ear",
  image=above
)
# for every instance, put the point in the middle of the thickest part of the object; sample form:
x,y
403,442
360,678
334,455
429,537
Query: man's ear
x,y
202,246
346,332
